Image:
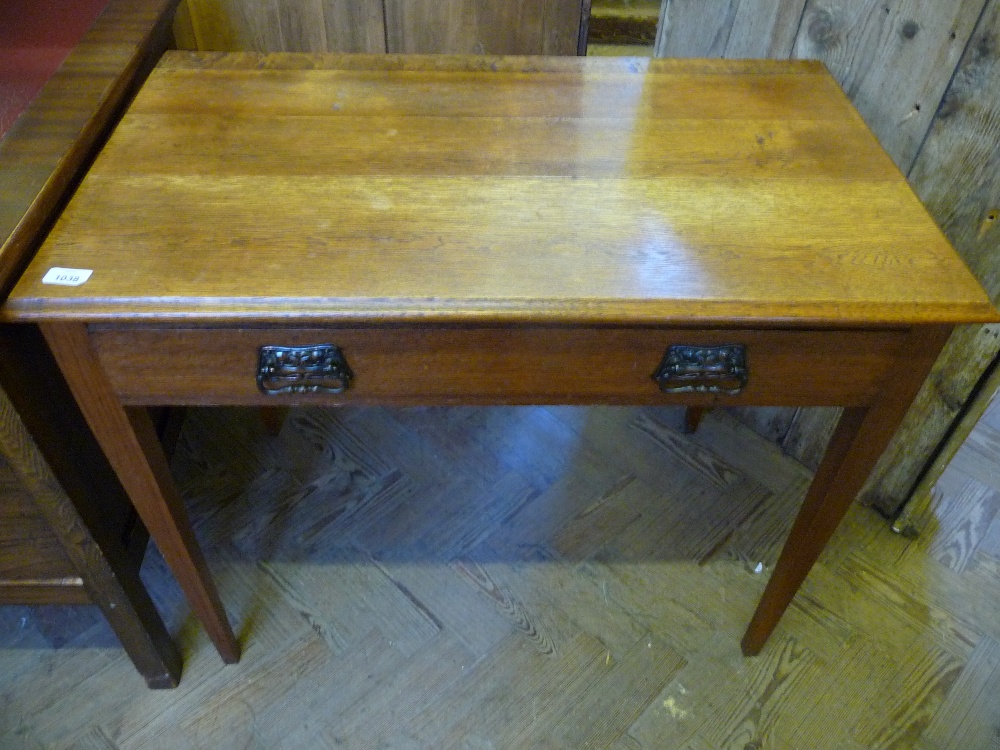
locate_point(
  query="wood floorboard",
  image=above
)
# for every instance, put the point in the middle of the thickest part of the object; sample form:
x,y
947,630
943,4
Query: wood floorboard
x,y
548,577
692,697
916,692
971,714
844,689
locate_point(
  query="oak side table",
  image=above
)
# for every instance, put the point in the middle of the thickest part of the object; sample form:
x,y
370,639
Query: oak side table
x,y
302,229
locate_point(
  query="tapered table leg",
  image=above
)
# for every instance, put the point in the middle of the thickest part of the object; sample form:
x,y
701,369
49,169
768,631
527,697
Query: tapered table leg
x,y
109,574
128,438
692,418
859,440
273,418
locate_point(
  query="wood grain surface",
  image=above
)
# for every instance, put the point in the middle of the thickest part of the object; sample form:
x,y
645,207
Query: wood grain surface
x,y
764,28
105,569
895,61
733,29
130,444
46,148
427,365
68,534
958,176
858,441
460,233
568,190
714,19
532,577
513,27
283,26
29,549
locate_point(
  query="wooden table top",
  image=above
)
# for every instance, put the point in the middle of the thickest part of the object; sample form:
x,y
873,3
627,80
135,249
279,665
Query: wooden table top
x,y
500,190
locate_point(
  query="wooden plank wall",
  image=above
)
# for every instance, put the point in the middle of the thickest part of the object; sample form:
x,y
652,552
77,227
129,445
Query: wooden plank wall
x,y
925,76
526,27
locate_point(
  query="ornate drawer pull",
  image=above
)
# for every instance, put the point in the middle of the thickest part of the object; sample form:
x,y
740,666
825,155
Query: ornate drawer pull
x,y
703,369
302,369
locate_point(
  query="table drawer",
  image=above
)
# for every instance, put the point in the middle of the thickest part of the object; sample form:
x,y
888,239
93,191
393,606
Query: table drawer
x,y
522,365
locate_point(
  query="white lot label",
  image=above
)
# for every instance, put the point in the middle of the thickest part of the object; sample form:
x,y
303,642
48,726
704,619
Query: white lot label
x,y
66,276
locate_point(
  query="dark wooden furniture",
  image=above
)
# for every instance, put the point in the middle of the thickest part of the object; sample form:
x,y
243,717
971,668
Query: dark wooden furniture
x,y
68,534
494,231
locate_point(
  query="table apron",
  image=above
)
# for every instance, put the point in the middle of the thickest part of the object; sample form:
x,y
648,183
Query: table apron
x,y
428,365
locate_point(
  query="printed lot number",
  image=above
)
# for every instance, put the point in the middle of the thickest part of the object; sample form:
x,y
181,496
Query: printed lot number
x,y
66,276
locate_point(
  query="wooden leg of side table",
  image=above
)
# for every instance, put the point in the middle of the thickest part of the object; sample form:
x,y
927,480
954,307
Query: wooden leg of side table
x,y
111,579
692,418
129,440
273,418
859,440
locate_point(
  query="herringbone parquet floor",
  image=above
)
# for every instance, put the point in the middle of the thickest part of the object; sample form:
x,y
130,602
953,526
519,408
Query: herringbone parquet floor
x,y
531,578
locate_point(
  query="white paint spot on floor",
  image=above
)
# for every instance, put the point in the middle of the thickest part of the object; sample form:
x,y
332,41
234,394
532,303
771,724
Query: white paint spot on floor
x,y
675,711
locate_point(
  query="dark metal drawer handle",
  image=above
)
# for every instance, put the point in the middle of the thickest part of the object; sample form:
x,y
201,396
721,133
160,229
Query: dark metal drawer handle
x,y
703,369
302,369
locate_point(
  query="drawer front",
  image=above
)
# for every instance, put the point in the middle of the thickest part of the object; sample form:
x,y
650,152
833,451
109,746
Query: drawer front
x,y
441,365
